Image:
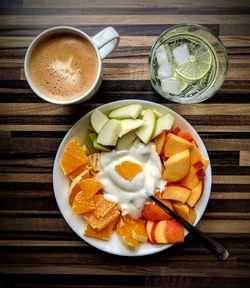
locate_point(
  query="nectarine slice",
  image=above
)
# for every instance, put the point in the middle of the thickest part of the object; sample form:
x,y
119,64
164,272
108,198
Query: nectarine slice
x,y
195,154
175,144
152,211
177,166
159,142
176,192
182,210
195,195
191,180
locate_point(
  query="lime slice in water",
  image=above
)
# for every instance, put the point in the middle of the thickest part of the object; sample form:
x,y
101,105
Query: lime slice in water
x,y
197,64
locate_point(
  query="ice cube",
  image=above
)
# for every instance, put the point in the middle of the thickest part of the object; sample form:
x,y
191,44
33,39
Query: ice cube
x,y
171,85
181,54
161,55
165,70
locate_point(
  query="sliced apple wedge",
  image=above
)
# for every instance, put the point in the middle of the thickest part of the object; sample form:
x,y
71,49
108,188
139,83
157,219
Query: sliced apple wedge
x,y
146,131
98,120
97,146
126,141
128,125
175,144
109,133
125,112
177,166
165,122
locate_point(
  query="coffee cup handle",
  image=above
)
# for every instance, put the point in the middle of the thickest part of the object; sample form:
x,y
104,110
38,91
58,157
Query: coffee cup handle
x,y
106,41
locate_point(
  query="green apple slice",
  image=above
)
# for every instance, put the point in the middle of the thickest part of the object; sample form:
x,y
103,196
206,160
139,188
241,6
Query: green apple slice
x,y
128,125
97,146
146,131
125,112
88,142
126,141
163,123
98,120
109,133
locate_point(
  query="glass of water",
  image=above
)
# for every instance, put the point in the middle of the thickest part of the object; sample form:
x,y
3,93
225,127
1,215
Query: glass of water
x,y
188,64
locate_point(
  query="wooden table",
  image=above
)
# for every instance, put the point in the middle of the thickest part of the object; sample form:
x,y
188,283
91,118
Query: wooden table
x,y
37,248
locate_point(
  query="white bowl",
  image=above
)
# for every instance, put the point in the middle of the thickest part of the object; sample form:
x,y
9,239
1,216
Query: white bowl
x,y
61,182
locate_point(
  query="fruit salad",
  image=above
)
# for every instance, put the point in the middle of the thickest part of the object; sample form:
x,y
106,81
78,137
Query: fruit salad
x,y
126,151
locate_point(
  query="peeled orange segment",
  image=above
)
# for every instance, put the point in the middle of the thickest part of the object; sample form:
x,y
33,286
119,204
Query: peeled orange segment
x,y
73,157
100,223
103,234
128,170
102,206
78,171
124,231
82,205
76,189
90,187
84,175
139,231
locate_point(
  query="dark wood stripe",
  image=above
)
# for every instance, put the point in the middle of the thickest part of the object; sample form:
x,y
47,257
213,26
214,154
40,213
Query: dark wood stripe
x,y
128,11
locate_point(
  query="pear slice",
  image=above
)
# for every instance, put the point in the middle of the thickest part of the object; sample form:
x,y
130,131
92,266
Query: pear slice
x,y
125,112
109,133
126,141
98,120
146,131
128,125
165,122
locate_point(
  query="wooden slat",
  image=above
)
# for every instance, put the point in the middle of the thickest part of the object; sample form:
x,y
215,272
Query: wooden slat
x,y
130,3
22,20
244,158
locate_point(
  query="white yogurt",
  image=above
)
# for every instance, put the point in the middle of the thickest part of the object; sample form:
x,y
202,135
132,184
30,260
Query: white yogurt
x,y
130,195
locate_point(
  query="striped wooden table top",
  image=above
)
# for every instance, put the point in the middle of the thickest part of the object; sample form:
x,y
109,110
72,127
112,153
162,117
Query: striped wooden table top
x,y
37,248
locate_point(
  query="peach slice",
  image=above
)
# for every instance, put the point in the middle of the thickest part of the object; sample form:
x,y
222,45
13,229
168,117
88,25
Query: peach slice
x,y
195,155
175,144
165,231
177,166
191,180
159,142
185,212
195,195
152,211
176,192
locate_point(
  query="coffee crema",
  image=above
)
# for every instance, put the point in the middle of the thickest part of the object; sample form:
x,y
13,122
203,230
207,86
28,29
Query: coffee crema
x,y
63,66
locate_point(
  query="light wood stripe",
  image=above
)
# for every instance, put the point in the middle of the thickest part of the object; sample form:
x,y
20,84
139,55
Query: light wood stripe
x,y
229,195
33,109
131,3
21,20
47,178
227,144
244,158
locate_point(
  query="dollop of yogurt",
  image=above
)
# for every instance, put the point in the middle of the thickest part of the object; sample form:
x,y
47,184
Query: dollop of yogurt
x,y
130,195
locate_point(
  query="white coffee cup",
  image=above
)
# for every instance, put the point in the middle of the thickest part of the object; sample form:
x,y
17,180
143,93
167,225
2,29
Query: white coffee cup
x,y
104,43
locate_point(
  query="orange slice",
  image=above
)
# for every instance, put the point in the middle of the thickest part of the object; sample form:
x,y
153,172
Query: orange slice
x,y
82,205
74,187
124,231
102,206
103,234
128,170
90,187
73,157
78,171
100,223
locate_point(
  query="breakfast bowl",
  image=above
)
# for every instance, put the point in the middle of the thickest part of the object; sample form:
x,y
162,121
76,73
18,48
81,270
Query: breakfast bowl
x,y
61,183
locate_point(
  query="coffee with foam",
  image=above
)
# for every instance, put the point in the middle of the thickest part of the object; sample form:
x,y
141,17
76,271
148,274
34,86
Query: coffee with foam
x,y
63,66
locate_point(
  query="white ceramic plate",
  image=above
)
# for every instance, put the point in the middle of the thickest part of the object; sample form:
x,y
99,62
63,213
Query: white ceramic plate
x,y
61,182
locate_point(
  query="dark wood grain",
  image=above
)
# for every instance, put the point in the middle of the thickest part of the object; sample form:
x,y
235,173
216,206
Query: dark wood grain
x,y
37,247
